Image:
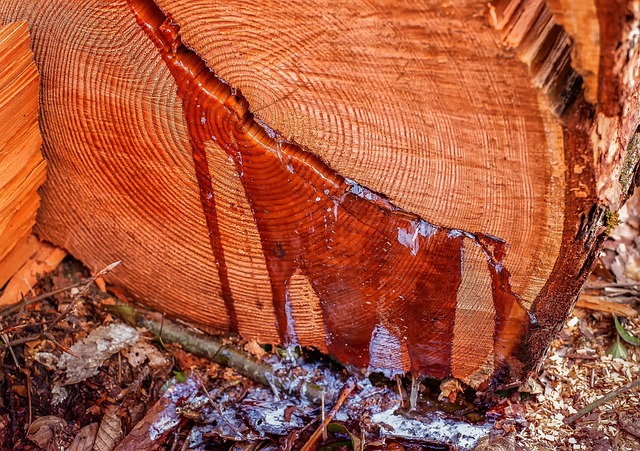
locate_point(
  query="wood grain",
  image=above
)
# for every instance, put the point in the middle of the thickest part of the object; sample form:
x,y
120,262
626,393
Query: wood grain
x,y
22,167
430,110
408,186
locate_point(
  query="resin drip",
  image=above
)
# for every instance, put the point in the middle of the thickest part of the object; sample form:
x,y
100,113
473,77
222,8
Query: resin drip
x,y
373,266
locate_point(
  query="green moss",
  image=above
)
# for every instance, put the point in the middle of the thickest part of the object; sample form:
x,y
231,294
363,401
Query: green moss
x,y
611,220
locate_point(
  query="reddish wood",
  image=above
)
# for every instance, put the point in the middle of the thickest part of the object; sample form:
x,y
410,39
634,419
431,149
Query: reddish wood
x,y
22,167
410,187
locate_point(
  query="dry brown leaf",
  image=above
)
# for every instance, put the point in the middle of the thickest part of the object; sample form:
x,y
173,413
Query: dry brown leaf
x,y
161,419
85,439
630,425
253,348
142,351
449,389
20,390
496,443
110,431
43,430
91,352
531,386
101,284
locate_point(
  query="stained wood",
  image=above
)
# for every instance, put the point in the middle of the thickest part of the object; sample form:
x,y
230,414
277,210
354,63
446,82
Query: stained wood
x,y
410,187
22,168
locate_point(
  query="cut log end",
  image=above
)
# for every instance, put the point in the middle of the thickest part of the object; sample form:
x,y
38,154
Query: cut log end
x,y
415,188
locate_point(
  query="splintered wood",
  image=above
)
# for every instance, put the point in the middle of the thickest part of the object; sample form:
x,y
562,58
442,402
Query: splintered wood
x,y
22,168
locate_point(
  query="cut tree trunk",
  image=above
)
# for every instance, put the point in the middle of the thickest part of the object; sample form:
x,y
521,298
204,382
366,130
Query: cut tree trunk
x,y
411,186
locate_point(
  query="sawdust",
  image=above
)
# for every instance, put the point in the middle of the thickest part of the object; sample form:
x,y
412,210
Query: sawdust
x,y
577,370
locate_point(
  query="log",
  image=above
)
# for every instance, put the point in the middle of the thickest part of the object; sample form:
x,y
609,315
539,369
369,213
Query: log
x,y
22,167
414,186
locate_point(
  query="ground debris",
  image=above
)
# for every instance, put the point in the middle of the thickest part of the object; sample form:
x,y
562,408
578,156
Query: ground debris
x,y
109,386
630,424
44,430
110,431
578,371
101,384
85,439
87,356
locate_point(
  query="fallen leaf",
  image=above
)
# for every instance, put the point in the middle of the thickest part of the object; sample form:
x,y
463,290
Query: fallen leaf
x,y
20,390
617,350
630,425
110,431
142,351
43,430
91,352
449,389
85,439
356,443
253,348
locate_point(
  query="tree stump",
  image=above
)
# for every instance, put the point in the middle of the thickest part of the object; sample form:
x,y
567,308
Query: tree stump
x,y
411,186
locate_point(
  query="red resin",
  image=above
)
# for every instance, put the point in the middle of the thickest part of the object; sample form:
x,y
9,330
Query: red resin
x,y
368,261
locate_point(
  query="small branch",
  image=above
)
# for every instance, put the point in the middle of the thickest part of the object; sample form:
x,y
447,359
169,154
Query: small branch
x,y
51,324
598,402
603,304
612,285
11,309
344,394
222,353
219,410
106,270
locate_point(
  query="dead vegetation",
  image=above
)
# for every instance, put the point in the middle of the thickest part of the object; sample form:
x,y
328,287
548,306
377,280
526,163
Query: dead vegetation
x,y
75,376
81,371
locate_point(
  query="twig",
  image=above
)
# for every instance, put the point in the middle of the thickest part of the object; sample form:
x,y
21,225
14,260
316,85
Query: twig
x,y
219,410
218,352
400,393
135,385
603,304
413,398
51,324
598,402
28,384
107,269
296,433
5,339
604,286
11,309
577,356
323,411
344,394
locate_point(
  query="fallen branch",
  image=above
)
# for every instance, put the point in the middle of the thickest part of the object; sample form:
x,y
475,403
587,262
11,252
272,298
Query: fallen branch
x,y
214,350
598,402
344,394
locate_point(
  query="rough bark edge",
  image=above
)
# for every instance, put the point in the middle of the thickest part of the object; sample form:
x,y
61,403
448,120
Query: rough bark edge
x,y
589,131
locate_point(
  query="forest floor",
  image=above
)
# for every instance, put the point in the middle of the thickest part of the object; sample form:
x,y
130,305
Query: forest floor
x,y
76,376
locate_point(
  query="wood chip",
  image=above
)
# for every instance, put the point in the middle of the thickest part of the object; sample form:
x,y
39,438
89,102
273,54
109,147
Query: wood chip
x,y
46,259
604,304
